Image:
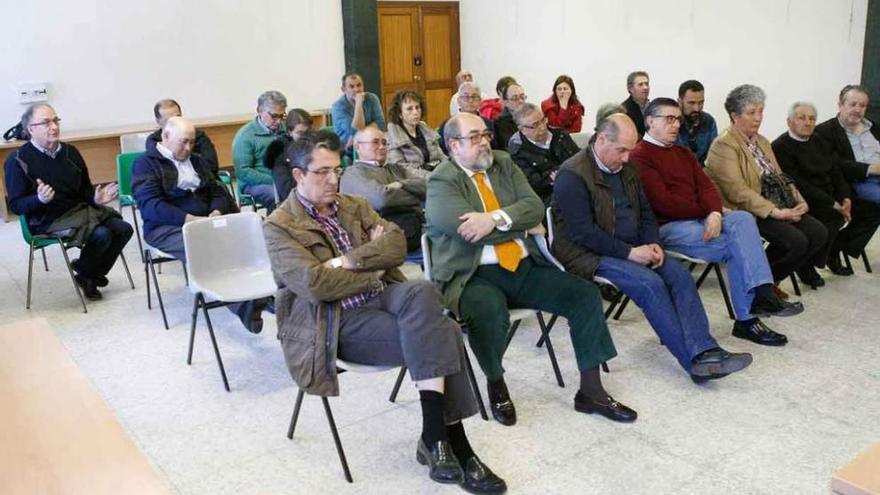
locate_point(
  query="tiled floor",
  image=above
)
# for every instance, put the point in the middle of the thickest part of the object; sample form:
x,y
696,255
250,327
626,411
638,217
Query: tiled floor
x,y
780,427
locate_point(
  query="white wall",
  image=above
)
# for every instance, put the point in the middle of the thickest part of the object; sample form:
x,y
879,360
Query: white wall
x,y
108,62
794,50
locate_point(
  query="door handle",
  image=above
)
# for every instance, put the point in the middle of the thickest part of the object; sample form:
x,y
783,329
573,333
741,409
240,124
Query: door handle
x,y
416,77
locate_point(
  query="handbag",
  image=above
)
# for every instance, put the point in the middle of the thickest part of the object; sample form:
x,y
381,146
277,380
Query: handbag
x,y
777,188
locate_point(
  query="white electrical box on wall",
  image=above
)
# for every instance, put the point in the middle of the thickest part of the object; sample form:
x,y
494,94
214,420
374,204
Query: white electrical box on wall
x,y
32,92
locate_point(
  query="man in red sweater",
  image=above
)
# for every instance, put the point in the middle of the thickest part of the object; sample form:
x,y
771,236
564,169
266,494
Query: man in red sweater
x,y
688,207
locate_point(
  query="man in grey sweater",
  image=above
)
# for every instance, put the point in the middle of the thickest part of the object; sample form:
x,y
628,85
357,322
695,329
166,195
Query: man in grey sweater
x,y
394,191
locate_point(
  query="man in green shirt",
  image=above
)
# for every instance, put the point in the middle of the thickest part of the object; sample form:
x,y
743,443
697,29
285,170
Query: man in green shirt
x,y
250,144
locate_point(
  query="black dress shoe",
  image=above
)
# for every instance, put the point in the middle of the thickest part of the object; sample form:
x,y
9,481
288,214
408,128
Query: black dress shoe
x,y
775,307
811,277
717,361
478,478
759,333
89,289
699,380
836,267
610,408
444,466
101,281
502,407
254,321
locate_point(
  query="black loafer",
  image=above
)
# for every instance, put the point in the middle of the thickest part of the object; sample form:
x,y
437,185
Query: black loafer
x,y
502,407
89,289
610,408
776,307
478,478
836,267
699,380
443,465
811,277
101,281
719,362
759,333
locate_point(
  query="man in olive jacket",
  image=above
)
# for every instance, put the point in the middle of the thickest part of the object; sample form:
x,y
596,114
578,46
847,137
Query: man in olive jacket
x,y
482,218
342,295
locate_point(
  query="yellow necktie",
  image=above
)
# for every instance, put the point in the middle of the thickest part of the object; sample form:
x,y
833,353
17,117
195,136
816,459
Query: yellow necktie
x,y
508,252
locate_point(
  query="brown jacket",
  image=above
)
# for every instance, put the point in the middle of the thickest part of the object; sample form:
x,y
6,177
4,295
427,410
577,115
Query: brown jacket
x,y
307,304
738,176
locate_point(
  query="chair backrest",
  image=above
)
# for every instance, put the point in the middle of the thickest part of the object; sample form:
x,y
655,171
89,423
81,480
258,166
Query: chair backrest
x,y
124,164
225,244
25,229
581,138
130,143
426,256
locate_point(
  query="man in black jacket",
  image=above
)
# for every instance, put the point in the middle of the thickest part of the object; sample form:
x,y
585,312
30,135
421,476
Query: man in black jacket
x,y
167,108
542,150
854,142
638,85
809,163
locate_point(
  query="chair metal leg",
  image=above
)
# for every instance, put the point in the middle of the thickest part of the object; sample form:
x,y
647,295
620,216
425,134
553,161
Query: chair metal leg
x,y
550,324
137,231
214,343
723,286
621,307
299,400
397,384
192,327
127,272
866,262
336,440
846,261
605,367
146,257
473,379
31,274
158,290
794,283
45,263
545,332
613,304
185,273
510,333
73,277
702,277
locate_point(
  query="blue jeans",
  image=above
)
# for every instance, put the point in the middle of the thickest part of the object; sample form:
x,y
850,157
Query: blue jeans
x,y
869,190
263,193
669,299
739,246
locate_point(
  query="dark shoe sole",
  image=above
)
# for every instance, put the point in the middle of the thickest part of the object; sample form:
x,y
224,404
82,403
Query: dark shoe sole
x,y
421,459
771,343
730,365
587,409
792,310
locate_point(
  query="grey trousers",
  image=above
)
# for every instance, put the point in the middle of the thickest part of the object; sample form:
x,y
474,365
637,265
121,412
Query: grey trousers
x,y
405,326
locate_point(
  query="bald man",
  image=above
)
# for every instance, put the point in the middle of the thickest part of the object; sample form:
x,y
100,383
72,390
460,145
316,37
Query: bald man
x,y
605,227
173,186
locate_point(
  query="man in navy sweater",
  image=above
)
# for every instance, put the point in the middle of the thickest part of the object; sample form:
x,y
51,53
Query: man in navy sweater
x,y
173,186
48,181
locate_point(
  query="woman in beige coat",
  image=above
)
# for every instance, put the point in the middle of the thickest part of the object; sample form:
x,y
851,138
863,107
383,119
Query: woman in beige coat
x,y
743,166
411,143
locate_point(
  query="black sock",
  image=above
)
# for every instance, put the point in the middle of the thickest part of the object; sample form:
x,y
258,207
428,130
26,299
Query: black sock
x,y
748,322
591,384
433,427
460,445
764,292
497,390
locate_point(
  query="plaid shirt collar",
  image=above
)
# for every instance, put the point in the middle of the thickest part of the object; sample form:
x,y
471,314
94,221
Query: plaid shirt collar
x,y
312,210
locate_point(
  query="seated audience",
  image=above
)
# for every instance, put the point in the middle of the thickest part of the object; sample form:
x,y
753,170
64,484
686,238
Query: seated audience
x,y
638,85
250,144
468,102
462,77
48,181
743,166
807,160
299,122
698,129
354,110
173,186
854,142
395,191
411,143
514,96
563,109
542,149
491,108
167,108
377,317
604,227
486,260
692,222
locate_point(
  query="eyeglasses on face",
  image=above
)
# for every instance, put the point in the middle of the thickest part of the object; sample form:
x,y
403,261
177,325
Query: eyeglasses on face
x,y
469,97
477,138
670,119
537,125
324,172
46,122
521,97
375,142
277,116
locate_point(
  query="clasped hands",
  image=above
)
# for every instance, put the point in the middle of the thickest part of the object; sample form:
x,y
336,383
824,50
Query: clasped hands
x,y
376,232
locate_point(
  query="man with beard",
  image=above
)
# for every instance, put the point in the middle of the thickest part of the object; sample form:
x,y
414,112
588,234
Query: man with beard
x,y
698,128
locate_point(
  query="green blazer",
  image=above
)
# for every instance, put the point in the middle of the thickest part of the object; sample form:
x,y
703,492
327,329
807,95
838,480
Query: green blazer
x,y
451,193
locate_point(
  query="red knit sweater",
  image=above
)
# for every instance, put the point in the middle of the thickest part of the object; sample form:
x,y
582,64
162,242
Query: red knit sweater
x,y
674,182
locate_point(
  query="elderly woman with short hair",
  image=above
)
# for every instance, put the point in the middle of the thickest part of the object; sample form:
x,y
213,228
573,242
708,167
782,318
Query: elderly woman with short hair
x,y
743,166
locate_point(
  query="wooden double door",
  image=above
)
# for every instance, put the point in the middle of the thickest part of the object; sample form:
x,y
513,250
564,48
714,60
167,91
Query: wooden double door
x,y
419,49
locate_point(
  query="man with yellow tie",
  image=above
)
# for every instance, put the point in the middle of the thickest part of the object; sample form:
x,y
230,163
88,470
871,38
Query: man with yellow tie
x,y
482,218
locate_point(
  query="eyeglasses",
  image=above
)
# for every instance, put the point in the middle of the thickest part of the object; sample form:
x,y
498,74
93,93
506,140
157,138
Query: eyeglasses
x,y
521,97
469,97
670,119
56,121
477,138
324,172
277,116
536,125
375,142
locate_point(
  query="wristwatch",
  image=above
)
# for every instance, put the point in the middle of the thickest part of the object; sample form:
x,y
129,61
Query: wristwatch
x,y
336,262
497,218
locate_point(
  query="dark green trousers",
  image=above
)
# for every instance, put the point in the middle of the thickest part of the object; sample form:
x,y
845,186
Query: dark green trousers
x,y
492,290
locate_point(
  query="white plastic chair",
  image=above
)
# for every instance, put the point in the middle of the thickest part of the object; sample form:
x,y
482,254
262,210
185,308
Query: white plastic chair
x,y
153,257
227,262
581,138
130,143
710,266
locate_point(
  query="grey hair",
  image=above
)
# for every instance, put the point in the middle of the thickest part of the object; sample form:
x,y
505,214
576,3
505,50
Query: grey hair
x,y
794,106
631,78
607,109
742,96
608,127
27,117
524,111
469,85
271,99
461,74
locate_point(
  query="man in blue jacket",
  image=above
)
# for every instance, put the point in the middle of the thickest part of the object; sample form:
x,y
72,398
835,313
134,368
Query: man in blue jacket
x,y
173,186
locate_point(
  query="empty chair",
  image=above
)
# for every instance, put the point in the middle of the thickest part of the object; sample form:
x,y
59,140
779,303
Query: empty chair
x,y
134,142
124,163
581,138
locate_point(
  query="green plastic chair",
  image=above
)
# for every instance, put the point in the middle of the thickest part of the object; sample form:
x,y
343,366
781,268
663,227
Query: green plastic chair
x,y
41,242
124,164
